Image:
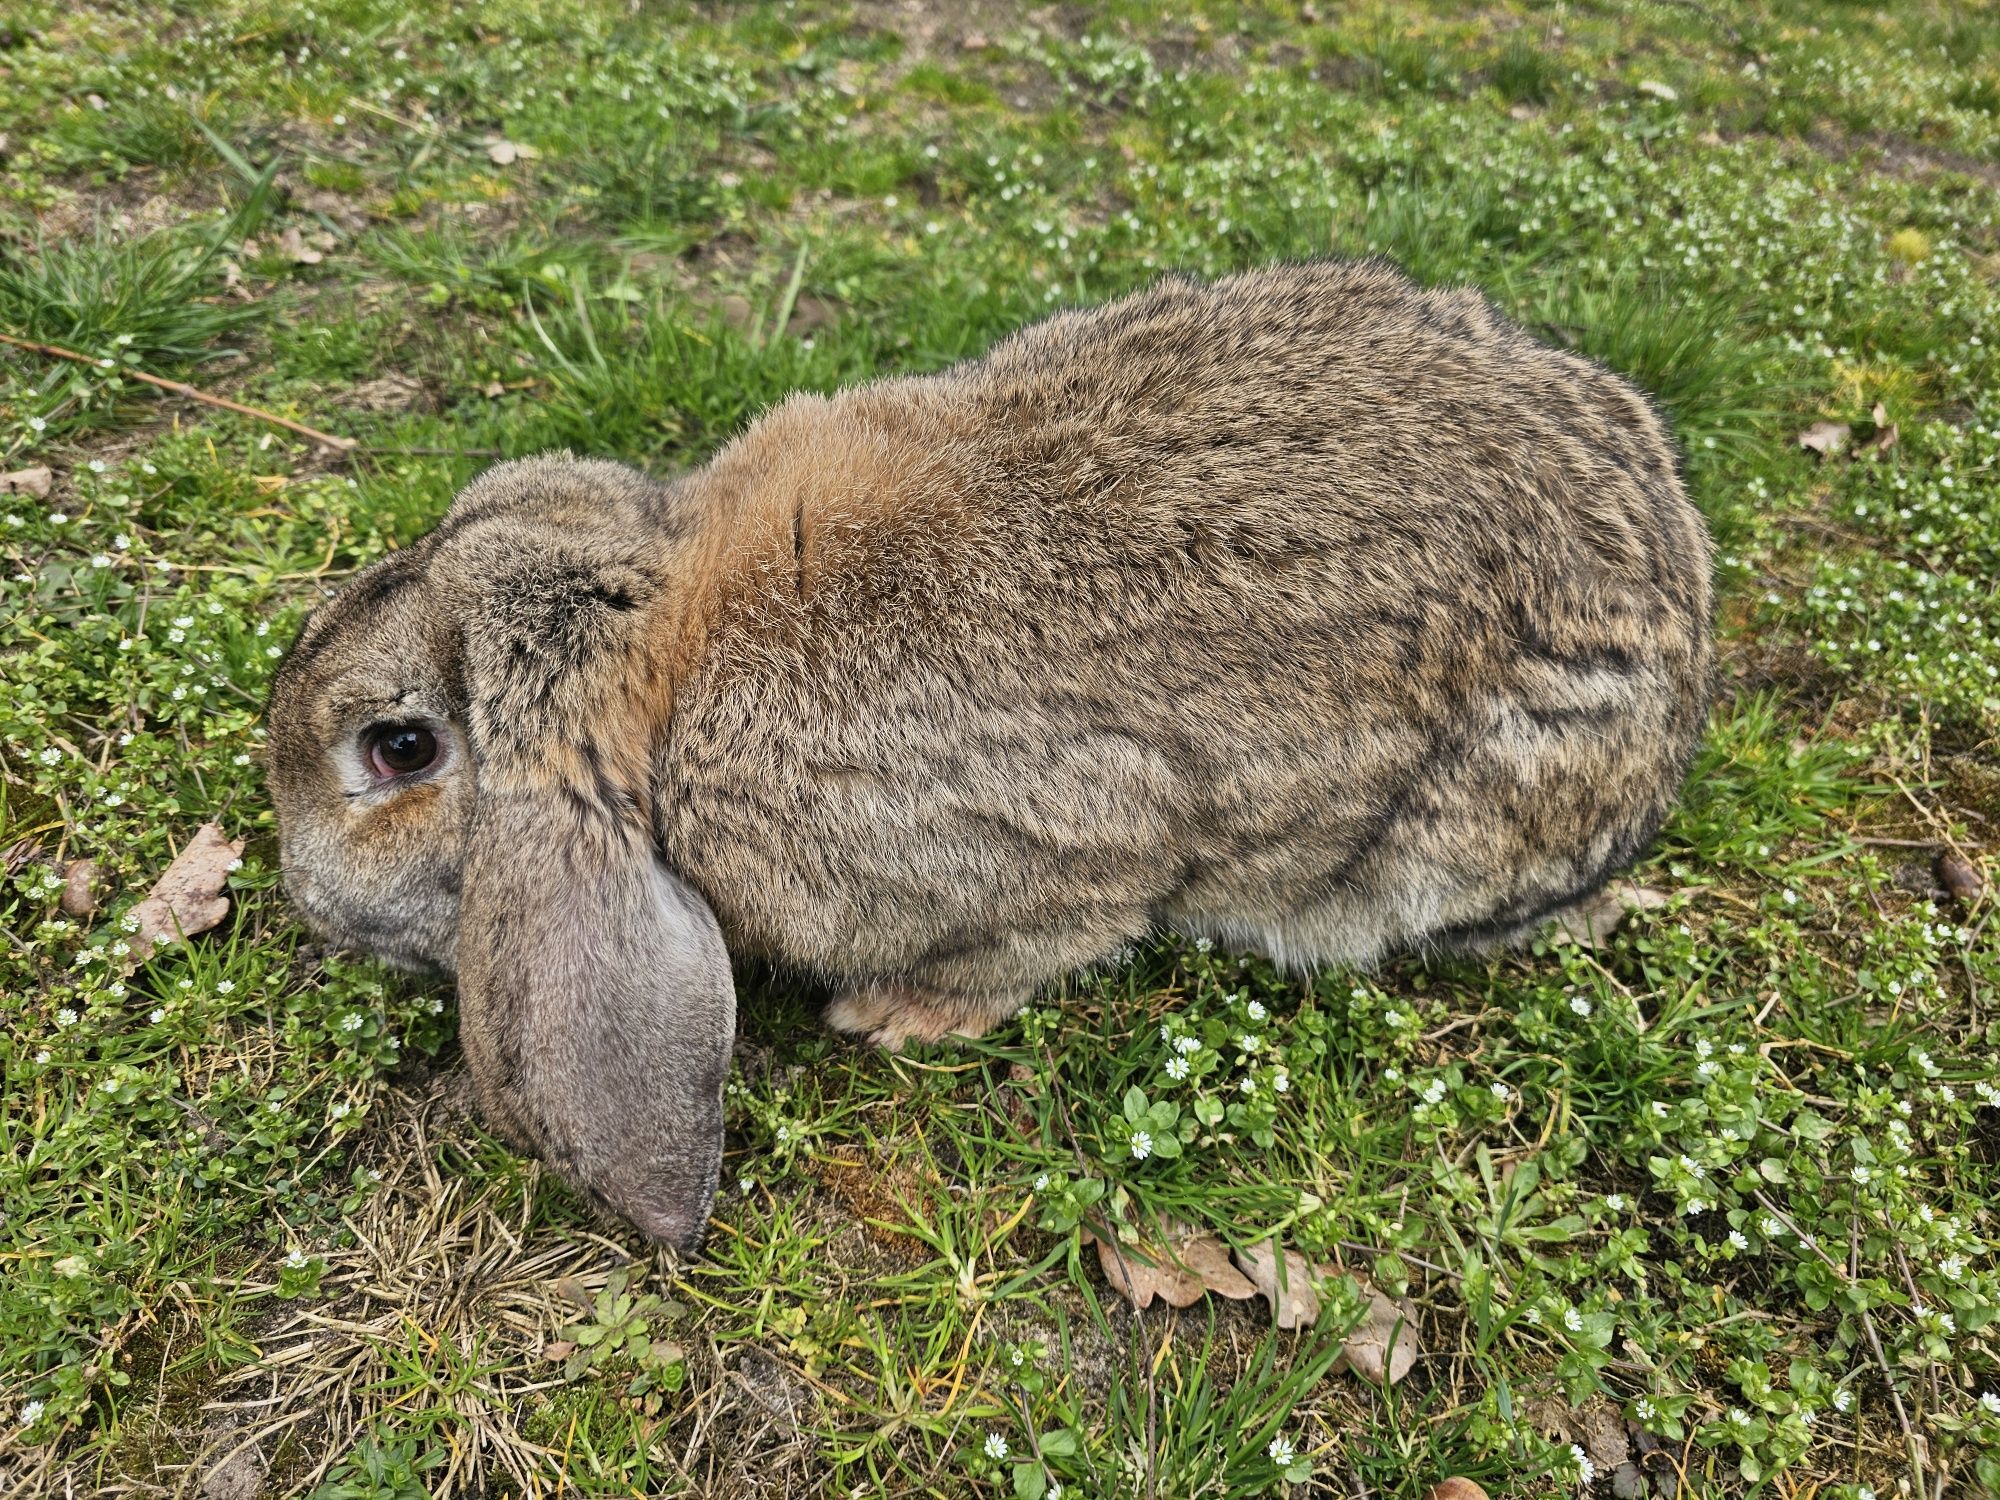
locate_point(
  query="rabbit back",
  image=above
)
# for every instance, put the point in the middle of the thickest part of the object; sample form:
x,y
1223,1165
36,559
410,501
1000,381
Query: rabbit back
x,y
1306,609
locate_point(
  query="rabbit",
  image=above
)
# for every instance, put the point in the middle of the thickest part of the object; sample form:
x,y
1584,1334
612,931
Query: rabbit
x,y
1305,610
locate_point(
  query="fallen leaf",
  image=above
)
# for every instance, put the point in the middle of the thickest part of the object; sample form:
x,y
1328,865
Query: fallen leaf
x,y
1628,1482
1591,921
1455,1489
1825,438
1293,1305
973,41
1183,1265
188,898
572,1291
1383,1345
1208,1258
35,481
558,1350
1887,433
79,894
493,390
1959,876
292,245
506,153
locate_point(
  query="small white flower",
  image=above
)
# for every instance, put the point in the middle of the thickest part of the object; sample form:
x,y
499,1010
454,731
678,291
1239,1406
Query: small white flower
x,y
1991,1401
31,1413
996,1446
1615,1202
1281,1082
1580,1005
1572,1320
1142,1145
65,1017
1586,1471
1502,1092
1739,1239
1177,1068
1042,1183
297,1260
351,1021
42,1055
157,1015
1644,1409
225,986
1255,1011
1187,1045
1843,1399
1281,1450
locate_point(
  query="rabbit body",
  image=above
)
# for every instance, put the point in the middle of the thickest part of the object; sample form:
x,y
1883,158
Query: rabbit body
x,y
1306,610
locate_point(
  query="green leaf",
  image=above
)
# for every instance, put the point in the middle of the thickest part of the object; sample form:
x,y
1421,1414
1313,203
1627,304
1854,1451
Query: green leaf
x,y
1059,1442
1031,1481
1135,1105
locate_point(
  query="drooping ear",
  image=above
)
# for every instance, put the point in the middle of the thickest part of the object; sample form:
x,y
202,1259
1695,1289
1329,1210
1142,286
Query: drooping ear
x,y
596,1005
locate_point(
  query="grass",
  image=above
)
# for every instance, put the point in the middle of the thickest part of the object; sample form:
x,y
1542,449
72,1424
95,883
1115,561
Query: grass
x,y
249,1217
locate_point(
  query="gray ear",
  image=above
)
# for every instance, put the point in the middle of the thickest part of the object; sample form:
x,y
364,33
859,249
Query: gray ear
x,y
596,1010
596,1006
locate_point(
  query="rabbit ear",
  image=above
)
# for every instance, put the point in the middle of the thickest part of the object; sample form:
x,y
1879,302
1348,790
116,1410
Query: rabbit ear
x,y
597,1009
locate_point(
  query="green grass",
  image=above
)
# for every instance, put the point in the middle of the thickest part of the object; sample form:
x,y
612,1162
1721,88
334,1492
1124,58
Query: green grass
x,y
244,1200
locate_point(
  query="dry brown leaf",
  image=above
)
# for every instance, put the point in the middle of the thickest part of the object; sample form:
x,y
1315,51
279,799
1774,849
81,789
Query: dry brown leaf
x,y
558,1350
1455,1489
1183,1266
1825,438
1383,1345
504,153
1887,433
1959,876
292,245
1591,921
188,898
1208,1258
1293,1305
1139,1283
79,893
35,481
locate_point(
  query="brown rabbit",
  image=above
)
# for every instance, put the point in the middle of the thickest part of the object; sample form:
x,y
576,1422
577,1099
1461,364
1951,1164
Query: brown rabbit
x,y
1307,610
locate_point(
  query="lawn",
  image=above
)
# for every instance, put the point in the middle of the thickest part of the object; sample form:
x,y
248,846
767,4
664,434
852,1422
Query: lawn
x,y
1705,1207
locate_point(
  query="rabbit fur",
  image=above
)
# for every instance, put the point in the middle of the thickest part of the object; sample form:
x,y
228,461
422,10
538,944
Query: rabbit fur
x,y
1306,610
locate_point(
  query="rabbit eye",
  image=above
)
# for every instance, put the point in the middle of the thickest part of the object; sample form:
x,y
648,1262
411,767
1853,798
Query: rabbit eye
x,y
400,749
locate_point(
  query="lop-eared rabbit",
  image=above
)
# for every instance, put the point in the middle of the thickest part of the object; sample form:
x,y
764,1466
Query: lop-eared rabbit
x,y
1306,610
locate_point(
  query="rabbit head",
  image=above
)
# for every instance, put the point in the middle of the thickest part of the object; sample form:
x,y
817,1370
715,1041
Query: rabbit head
x,y
462,745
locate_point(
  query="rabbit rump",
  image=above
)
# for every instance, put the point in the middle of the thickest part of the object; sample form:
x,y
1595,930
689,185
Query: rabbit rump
x,y
1306,610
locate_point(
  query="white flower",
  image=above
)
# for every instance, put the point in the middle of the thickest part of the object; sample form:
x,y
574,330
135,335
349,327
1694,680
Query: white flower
x,y
1281,1082
1843,1399
1694,1206
1644,1409
297,1260
1187,1045
157,1015
1615,1202
1177,1068
1142,1145
224,986
996,1446
1255,1011
1281,1450
1502,1092
1991,1401
42,1056
1042,1183
1434,1091
1739,1239
1572,1320
31,1413
65,1017
1586,1471
1580,1005
351,1021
